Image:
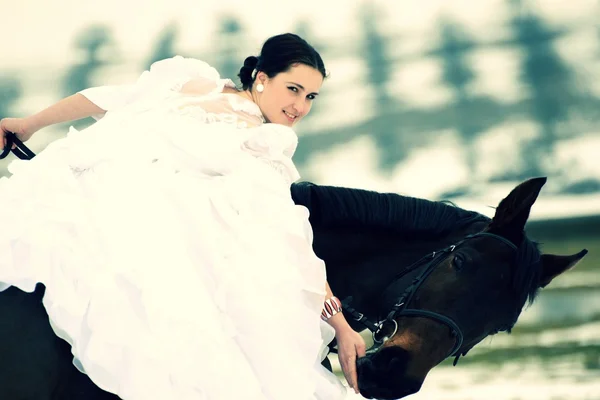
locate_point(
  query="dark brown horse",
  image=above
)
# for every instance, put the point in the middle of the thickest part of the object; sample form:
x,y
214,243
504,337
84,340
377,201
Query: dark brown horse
x,y
431,279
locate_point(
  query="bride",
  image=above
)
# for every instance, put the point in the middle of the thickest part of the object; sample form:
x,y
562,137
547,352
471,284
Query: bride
x,y
175,262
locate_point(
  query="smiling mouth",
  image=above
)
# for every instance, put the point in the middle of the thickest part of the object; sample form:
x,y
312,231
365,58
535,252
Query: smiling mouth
x,y
291,117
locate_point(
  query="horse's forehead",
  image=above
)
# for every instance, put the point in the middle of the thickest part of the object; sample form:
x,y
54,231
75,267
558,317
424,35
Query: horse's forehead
x,y
490,246
521,255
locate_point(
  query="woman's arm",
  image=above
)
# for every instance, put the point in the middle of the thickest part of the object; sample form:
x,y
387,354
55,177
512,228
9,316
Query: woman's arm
x,y
69,109
163,75
337,321
350,344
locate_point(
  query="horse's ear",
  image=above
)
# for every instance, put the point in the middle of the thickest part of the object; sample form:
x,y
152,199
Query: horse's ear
x,y
513,211
554,265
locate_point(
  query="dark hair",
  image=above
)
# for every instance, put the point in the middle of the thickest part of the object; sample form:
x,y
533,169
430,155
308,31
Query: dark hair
x,y
277,55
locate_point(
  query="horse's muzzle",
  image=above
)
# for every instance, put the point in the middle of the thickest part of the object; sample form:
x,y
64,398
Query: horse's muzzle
x,y
382,375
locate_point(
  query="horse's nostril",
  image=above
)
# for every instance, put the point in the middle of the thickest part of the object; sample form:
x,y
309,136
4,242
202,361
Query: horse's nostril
x,y
383,375
397,364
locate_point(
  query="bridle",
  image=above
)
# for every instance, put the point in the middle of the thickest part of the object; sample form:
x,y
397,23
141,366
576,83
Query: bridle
x,y
19,150
387,328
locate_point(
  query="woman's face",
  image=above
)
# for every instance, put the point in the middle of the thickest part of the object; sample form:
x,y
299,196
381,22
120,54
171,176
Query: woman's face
x,y
288,96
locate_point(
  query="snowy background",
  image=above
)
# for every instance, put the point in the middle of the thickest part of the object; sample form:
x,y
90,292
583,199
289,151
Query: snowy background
x,y
442,99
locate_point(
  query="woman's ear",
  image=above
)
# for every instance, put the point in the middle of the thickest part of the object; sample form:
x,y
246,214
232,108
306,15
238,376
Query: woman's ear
x,y
261,77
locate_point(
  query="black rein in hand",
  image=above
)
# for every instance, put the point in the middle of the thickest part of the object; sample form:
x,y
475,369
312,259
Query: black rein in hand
x,y
17,147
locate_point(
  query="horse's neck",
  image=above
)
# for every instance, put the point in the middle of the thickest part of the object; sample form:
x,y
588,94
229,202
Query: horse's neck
x,y
362,265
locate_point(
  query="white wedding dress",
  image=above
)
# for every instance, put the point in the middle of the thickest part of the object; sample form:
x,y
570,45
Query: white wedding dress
x,y
176,263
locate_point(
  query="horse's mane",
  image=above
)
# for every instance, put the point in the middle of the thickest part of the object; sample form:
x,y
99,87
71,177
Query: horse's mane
x,y
338,207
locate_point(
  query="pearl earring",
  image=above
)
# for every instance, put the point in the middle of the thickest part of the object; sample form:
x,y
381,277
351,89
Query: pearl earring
x,y
260,87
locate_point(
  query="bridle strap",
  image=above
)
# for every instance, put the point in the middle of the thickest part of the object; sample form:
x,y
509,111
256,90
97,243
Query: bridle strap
x,y
357,316
454,328
399,309
20,150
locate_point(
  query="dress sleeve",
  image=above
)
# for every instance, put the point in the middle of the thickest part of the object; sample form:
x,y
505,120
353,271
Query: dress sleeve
x,y
274,144
166,75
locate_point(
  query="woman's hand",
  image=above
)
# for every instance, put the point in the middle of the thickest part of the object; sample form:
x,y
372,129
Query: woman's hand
x,y
21,127
350,346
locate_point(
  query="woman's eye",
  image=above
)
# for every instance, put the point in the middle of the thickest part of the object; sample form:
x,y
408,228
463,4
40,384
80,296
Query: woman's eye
x,y
311,96
293,89
458,261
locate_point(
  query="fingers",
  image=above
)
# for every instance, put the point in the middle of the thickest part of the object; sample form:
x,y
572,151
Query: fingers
x,y
361,349
5,142
3,132
349,369
350,348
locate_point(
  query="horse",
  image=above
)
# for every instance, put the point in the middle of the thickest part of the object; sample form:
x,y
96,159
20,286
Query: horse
x,y
431,280
437,279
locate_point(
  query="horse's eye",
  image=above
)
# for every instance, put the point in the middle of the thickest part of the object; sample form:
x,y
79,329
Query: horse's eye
x,y
458,261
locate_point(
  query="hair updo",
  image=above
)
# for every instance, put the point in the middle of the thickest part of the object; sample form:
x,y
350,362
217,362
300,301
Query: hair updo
x,y
278,54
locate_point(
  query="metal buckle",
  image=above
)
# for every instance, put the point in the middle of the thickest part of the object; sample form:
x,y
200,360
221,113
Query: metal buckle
x,y
387,337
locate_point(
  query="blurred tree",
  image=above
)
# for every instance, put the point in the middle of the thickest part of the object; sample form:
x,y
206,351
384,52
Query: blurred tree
x,y
305,32
551,83
10,92
165,45
376,56
391,144
230,48
91,43
457,74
